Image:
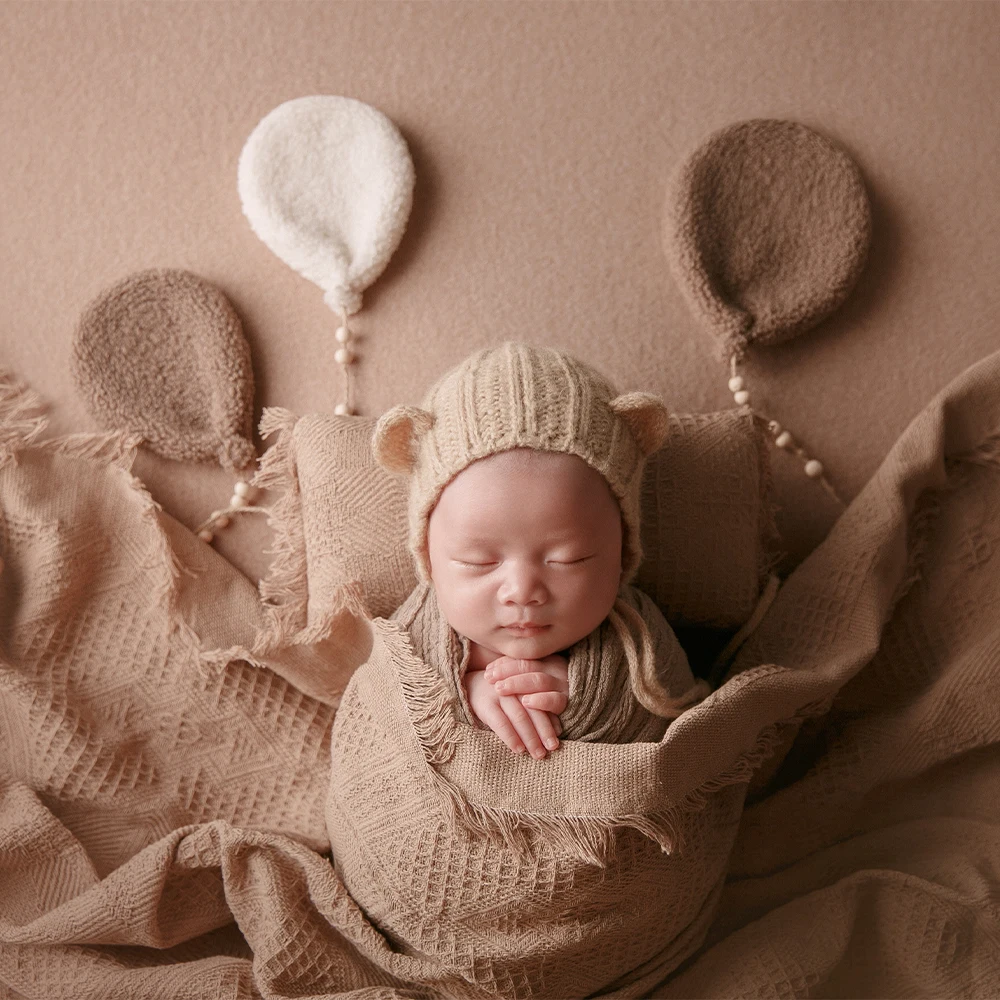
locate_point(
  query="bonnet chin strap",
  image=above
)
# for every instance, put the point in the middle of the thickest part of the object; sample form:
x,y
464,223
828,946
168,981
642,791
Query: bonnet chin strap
x,y
642,666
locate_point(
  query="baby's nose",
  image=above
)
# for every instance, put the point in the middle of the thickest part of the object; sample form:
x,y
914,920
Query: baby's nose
x,y
523,585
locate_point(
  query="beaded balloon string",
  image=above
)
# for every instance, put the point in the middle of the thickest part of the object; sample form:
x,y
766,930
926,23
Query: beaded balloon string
x,y
344,356
782,438
239,502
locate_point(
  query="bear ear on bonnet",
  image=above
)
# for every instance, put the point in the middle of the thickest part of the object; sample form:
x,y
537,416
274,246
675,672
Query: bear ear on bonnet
x,y
396,438
646,416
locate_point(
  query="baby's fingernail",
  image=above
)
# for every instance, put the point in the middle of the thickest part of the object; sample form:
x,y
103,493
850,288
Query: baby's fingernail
x,y
502,685
552,744
518,749
538,753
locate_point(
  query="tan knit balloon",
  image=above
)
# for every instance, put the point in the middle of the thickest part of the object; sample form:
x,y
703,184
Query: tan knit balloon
x,y
162,353
517,395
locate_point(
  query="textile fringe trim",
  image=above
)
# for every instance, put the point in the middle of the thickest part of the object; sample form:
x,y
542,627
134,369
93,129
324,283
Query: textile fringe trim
x,y
22,422
116,448
285,589
21,416
587,838
279,635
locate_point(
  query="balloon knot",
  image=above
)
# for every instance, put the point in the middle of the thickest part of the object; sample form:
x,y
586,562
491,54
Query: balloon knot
x,y
236,453
343,298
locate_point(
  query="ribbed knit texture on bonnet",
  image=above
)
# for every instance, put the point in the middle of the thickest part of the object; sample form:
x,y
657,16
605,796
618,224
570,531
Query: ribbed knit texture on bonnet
x,y
516,395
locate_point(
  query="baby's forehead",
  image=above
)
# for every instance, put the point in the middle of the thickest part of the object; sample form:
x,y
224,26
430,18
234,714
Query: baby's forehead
x,y
554,493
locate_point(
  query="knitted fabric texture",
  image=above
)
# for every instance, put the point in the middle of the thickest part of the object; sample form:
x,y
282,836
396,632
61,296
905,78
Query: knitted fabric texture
x,y
162,354
162,814
517,395
767,230
708,533
505,876
602,704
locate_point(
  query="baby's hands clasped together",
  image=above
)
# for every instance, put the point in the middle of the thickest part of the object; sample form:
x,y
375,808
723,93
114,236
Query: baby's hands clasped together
x,y
520,700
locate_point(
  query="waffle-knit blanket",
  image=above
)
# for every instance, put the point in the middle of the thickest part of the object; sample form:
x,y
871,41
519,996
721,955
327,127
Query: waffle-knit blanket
x,y
164,803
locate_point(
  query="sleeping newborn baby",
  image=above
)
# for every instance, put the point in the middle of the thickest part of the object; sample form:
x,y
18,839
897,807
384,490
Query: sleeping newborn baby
x,y
560,871
526,466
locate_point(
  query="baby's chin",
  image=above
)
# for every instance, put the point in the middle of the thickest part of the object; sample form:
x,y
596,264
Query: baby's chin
x,y
531,647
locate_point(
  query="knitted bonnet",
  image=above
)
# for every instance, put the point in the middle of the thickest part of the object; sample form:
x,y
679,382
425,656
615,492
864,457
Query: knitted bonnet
x,y
517,395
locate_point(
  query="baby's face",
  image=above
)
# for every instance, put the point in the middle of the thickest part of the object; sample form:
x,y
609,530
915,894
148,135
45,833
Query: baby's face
x,y
521,536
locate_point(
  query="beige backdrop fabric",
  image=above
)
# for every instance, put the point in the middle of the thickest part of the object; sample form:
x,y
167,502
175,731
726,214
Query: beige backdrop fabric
x,y
543,135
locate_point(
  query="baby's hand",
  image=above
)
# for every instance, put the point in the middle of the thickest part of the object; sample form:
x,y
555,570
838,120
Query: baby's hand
x,y
520,700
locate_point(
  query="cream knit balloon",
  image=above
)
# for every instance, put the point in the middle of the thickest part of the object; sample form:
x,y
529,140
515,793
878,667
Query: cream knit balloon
x,y
327,183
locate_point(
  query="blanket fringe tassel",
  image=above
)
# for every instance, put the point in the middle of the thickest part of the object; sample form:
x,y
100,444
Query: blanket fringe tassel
x,y
22,418
284,590
22,422
590,838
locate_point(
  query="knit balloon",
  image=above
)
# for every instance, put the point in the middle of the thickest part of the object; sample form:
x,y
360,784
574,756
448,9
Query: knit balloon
x,y
766,231
161,353
327,183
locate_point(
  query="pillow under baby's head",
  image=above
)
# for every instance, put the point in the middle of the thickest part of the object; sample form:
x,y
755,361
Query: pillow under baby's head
x,y
517,395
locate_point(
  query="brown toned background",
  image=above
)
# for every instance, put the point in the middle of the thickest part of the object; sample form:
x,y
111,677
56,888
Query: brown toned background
x,y
542,136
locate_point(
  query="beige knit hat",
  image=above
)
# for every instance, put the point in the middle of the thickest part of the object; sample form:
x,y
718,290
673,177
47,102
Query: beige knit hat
x,y
516,395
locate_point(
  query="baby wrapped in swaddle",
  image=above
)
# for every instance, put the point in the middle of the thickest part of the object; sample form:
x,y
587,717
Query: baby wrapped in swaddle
x,y
553,872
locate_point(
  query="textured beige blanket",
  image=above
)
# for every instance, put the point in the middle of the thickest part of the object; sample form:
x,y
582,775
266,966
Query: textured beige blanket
x,y
162,804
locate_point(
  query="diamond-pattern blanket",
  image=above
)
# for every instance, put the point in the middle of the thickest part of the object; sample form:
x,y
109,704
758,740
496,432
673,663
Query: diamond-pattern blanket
x,y
163,791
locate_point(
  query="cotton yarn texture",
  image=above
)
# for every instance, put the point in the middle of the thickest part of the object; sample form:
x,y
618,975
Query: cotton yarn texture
x,y
507,880
766,231
161,353
147,770
708,535
602,705
517,395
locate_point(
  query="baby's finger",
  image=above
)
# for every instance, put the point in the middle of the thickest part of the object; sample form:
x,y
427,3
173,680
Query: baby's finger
x,y
497,720
508,666
526,683
546,701
525,726
544,728
557,725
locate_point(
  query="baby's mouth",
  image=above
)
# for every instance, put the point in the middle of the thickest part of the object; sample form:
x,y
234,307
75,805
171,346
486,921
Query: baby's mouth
x,y
525,630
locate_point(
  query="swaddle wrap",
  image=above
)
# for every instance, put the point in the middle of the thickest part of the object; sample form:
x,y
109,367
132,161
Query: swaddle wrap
x,y
603,706
572,876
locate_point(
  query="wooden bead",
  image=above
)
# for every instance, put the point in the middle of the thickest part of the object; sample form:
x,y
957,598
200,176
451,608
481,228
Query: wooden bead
x,y
814,468
342,410
205,535
783,440
222,521
343,335
242,488
742,397
344,356
237,501
736,383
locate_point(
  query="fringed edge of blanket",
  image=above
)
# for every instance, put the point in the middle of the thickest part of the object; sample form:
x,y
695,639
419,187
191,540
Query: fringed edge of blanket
x,y
431,708
22,418
285,589
430,705
22,422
